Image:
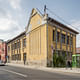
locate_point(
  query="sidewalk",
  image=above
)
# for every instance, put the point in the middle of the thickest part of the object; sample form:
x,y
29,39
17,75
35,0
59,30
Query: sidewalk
x,y
49,69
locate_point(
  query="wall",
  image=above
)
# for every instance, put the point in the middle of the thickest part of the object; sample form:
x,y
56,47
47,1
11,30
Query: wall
x,y
60,47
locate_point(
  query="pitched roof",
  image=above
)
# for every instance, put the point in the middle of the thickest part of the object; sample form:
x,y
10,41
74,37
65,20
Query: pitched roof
x,y
52,20
62,25
21,34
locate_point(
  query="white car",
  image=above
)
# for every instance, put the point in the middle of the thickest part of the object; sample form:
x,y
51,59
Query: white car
x,y
2,63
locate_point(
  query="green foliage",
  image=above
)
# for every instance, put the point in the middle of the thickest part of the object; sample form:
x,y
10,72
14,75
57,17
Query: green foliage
x,y
59,61
55,59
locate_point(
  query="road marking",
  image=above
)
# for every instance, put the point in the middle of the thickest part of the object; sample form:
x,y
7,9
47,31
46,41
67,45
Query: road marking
x,y
15,73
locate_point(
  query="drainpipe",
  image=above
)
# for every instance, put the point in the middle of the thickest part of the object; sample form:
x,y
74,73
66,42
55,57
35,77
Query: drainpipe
x,y
47,39
45,18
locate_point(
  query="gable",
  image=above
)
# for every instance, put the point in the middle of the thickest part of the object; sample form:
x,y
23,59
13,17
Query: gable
x,y
35,20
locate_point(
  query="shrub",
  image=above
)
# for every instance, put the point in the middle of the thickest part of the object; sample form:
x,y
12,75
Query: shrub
x,y
59,61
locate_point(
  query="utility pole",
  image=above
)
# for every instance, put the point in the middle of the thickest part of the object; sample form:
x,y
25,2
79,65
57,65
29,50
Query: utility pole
x,y
45,9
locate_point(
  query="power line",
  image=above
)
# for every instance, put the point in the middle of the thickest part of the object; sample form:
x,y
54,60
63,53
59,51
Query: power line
x,y
61,19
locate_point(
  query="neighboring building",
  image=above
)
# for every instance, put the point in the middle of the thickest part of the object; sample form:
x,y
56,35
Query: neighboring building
x,y
3,50
16,48
43,37
78,50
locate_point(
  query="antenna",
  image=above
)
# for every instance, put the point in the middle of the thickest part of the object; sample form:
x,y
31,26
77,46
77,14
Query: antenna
x,y
45,9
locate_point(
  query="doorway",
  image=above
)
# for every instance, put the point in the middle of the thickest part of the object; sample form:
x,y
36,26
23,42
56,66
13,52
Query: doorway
x,y
24,58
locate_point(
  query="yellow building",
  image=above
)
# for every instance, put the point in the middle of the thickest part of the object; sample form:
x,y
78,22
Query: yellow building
x,y
16,48
43,36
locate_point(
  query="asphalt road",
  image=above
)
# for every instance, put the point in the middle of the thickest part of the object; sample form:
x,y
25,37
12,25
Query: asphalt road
x,y
17,73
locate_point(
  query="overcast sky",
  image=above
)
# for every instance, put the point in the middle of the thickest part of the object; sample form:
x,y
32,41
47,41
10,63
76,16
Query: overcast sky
x,y
14,14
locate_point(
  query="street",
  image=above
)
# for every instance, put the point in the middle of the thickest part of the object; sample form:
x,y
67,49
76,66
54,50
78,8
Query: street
x,y
17,73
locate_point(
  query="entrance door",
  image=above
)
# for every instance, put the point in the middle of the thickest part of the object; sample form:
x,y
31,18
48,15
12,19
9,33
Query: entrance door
x,y
24,57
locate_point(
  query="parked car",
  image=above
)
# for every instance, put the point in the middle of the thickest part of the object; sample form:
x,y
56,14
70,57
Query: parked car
x,y
2,63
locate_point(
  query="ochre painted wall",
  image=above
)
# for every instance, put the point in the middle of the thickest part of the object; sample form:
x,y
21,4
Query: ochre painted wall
x,y
36,41
37,51
53,43
74,44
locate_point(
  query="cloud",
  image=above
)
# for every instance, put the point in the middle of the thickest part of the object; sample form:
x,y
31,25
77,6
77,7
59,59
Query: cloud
x,y
9,27
76,24
78,41
15,4
10,24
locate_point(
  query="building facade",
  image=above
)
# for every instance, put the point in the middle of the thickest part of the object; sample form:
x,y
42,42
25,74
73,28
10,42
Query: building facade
x,y
3,51
16,48
44,37
78,50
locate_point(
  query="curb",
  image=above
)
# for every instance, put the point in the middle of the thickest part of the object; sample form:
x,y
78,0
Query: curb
x,y
57,70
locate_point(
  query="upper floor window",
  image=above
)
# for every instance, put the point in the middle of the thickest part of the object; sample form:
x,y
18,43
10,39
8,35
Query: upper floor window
x,y
63,38
12,46
15,45
67,39
24,42
18,44
53,35
58,36
71,40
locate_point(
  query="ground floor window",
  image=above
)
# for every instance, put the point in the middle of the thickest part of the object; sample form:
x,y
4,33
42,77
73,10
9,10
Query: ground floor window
x,y
63,53
16,57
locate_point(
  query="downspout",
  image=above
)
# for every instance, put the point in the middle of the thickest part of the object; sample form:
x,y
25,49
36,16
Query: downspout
x,y
46,19
46,22
47,37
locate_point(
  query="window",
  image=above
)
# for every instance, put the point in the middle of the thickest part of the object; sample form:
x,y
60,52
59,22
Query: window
x,y
58,36
53,35
15,45
63,53
63,38
8,48
24,42
18,45
71,40
13,57
18,56
12,46
67,39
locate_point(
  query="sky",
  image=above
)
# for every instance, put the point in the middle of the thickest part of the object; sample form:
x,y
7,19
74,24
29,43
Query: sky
x,y
14,15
